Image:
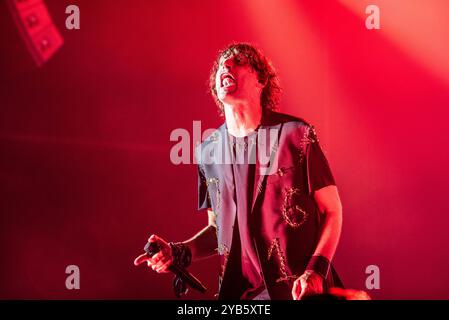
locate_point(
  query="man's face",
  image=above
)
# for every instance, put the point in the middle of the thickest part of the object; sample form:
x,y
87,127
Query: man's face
x,y
235,80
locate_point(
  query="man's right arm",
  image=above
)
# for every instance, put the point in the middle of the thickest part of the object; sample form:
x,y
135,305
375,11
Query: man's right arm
x,y
202,245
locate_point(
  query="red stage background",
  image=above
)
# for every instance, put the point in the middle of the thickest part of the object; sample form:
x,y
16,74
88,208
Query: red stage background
x,y
85,172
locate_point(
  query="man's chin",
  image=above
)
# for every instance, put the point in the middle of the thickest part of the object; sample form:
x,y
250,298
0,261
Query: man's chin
x,y
229,90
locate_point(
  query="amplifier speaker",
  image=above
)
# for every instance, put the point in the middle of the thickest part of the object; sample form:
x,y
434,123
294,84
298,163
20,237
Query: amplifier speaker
x,y
36,28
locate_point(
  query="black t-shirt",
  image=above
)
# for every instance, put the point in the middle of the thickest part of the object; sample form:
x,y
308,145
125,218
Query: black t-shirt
x,y
244,258
320,174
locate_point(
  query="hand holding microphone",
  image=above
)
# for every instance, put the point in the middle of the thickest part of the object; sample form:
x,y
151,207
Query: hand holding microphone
x,y
160,261
160,256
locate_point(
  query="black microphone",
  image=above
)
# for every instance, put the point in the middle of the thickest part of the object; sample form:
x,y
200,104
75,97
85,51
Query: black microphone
x,y
151,248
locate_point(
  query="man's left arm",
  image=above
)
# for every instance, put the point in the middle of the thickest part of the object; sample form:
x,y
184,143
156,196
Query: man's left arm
x,y
329,205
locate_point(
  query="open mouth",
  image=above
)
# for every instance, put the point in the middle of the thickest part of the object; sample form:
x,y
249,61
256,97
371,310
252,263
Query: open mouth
x,y
227,80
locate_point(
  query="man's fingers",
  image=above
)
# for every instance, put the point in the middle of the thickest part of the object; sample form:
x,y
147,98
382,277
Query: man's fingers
x,y
164,267
140,259
158,256
157,265
303,292
296,290
157,260
161,262
301,288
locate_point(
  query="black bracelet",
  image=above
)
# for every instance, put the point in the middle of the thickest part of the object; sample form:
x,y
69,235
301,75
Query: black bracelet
x,y
320,265
182,256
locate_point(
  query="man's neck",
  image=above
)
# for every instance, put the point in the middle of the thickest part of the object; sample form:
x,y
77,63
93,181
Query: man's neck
x,y
242,119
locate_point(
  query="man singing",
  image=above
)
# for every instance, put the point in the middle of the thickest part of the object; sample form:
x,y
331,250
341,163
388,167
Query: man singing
x,y
274,211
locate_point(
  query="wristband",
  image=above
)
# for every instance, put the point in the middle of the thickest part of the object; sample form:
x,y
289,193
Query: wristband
x,y
320,265
182,256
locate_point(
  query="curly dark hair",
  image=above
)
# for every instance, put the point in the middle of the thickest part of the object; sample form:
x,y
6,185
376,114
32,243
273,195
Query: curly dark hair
x,y
271,93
